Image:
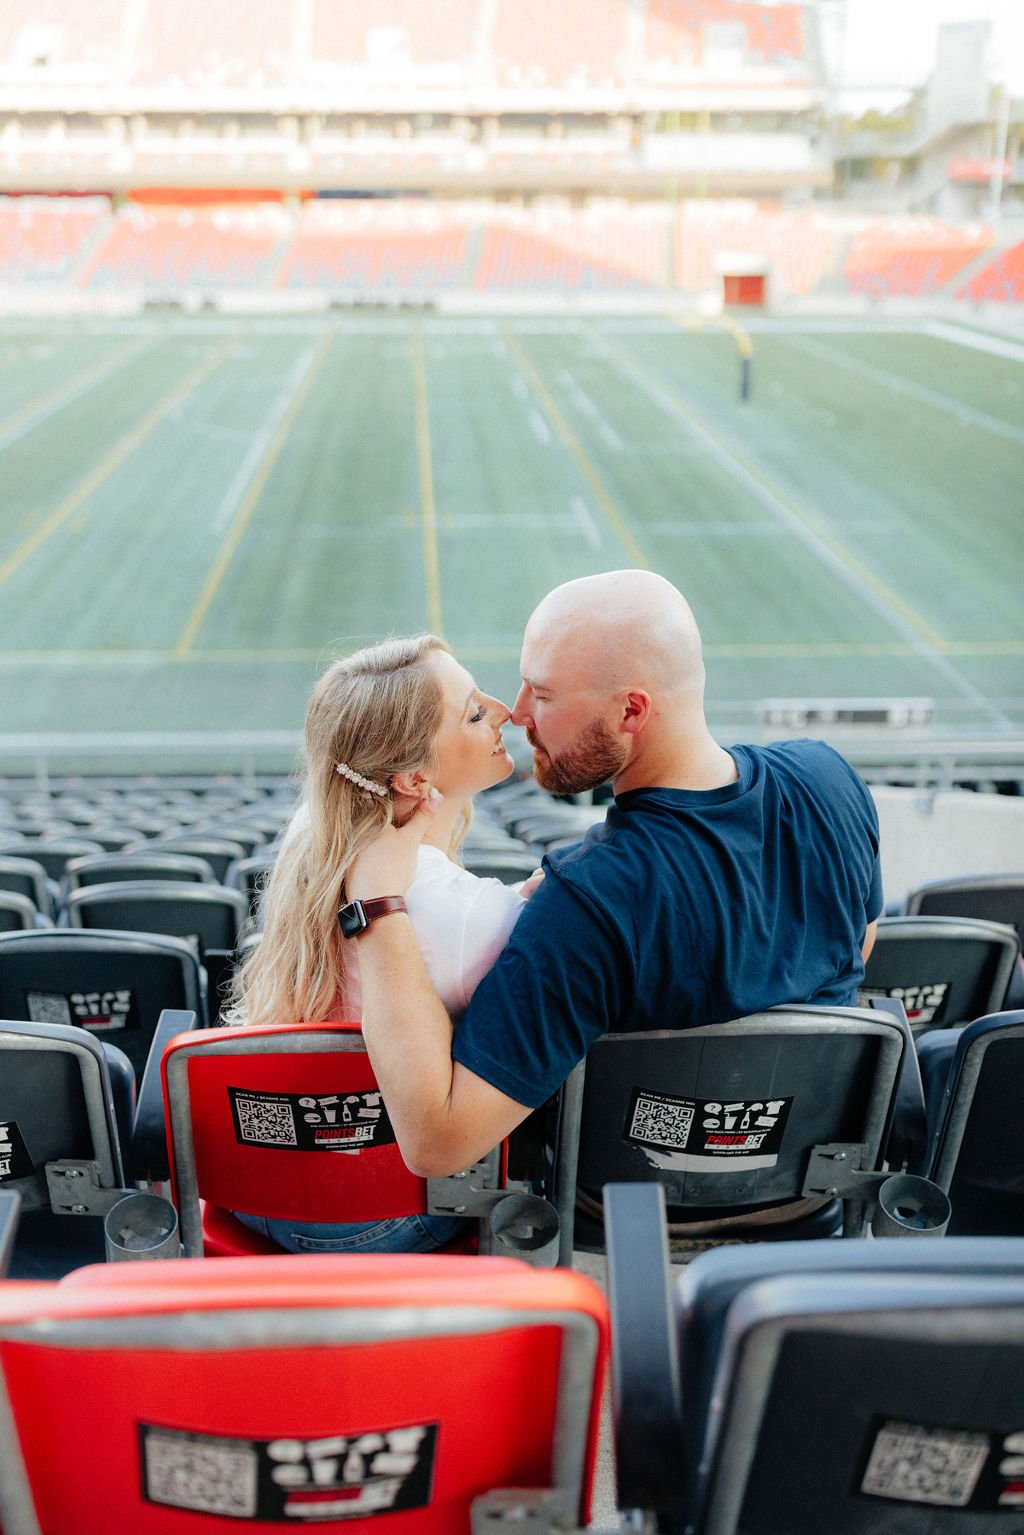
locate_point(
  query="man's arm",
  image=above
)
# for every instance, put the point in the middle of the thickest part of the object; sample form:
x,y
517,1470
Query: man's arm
x,y
869,940
444,1117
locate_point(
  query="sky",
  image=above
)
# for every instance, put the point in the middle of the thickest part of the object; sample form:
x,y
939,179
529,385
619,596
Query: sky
x,y
891,43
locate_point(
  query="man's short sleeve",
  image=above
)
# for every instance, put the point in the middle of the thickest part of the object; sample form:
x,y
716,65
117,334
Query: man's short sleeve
x,y
556,986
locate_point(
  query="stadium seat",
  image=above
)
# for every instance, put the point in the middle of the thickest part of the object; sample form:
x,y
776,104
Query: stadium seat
x,y
287,1121
18,912
986,897
53,852
10,1207
793,1104
853,1388
211,914
27,877
974,1087
249,875
66,1107
451,1394
218,852
945,970
113,984
107,868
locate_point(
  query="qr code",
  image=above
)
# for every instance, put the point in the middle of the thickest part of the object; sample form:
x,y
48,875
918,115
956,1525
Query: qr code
x,y
925,1465
265,1122
48,1007
664,1123
208,1476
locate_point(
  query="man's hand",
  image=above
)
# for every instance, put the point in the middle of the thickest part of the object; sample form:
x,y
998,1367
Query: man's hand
x,y
527,888
388,865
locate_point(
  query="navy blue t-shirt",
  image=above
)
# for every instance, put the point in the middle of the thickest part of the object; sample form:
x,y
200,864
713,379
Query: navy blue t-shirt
x,y
685,908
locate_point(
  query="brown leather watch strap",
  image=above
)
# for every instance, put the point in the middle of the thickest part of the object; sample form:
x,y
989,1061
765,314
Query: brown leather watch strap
x,y
357,916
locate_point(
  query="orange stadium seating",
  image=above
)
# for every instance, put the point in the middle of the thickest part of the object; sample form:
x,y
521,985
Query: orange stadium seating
x,y
621,252
799,245
376,247
1002,281
585,45
234,42
62,35
676,31
351,32
171,247
910,257
40,239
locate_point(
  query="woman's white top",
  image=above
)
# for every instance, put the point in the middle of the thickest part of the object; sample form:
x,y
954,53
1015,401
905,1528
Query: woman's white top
x,y
461,922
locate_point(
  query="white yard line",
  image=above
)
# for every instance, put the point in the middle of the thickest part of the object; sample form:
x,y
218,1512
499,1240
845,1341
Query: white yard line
x,y
898,385
585,521
233,496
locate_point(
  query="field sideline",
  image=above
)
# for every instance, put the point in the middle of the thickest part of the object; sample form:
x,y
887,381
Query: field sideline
x,y
196,513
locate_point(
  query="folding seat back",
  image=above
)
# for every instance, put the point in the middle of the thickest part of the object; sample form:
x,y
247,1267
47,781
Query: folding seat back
x,y
66,1104
988,897
250,875
509,865
212,915
287,1121
729,1116
218,852
53,853
27,877
854,1388
105,868
945,970
113,984
17,912
345,1393
975,1085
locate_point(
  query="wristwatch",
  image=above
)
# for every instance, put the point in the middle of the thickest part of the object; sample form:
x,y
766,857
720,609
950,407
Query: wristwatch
x,y
356,917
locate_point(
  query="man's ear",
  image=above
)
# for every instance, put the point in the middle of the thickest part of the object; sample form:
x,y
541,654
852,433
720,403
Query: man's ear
x,y
636,711
410,785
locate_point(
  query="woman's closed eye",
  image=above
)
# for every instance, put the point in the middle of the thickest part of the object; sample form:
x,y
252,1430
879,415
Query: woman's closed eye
x,y
481,714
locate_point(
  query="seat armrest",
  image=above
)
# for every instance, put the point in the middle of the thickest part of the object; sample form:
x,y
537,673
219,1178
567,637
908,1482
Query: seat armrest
x,y
906,1147
147,1159
646,1403
10,1209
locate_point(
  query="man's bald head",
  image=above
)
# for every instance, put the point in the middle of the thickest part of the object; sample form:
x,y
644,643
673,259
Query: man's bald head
x,y
625,628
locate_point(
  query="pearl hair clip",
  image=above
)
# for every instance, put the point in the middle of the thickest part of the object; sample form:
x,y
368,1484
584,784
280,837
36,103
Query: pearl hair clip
x,y
358,779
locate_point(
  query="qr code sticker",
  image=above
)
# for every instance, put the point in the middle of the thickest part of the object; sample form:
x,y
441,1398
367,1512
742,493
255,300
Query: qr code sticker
x,y
208,1476
265,1121
916,1464
48,1007
662,1121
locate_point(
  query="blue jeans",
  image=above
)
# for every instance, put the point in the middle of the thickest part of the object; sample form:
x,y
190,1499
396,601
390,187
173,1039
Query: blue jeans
x,y
402,1234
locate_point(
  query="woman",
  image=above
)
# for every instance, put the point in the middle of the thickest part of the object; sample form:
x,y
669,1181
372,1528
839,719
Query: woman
x,y
386,728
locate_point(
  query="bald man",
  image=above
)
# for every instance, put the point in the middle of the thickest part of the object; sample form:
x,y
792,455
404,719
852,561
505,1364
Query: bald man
x,y
721,882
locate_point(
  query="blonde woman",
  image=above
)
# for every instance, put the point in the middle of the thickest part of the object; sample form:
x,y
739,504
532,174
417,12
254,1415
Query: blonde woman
x,y
386,728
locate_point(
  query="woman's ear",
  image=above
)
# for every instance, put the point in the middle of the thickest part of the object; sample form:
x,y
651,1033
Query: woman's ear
x,y
410,785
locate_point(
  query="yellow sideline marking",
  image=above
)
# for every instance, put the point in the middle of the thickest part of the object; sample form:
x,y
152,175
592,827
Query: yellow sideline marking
x,y
112,461
577,454
68,386
243,516
428,507
816,528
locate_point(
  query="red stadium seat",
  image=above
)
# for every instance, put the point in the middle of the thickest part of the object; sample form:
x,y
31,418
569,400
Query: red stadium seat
x,y
165,1398
286,1121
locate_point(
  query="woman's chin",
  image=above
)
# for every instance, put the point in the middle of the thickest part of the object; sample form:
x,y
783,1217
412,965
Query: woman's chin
x,y
503,768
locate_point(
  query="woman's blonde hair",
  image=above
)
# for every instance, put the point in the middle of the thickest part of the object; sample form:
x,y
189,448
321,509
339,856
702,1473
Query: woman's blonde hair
x,y
378,712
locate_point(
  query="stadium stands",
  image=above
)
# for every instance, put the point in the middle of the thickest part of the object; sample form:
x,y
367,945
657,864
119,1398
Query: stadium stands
x,y
680,33
388,39
582,42
798,245
180,248
40,238
910,257
232,43
375,248
1001,282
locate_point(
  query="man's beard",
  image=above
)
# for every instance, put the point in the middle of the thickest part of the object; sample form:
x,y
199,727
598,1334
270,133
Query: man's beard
x,y
593,758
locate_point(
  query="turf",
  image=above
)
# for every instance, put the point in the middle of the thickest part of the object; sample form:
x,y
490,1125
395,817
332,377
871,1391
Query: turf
x,y
197,513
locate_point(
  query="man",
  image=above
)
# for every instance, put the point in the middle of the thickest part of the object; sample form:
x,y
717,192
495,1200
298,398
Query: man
x,y
721,883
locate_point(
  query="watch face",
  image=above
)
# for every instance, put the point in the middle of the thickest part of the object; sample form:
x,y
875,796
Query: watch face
x,y
352,919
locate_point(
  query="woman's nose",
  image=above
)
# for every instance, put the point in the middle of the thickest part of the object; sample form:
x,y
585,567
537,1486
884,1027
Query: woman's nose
x,y
500,714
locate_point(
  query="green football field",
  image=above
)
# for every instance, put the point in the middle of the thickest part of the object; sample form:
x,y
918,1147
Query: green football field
x,y
196,513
